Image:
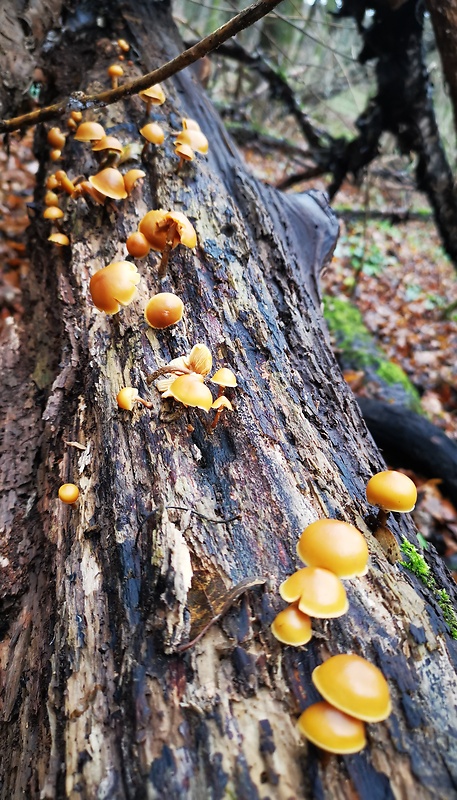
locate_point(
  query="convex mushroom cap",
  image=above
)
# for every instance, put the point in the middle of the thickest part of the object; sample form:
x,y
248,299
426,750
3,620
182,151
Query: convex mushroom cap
x,y
391,491
319,592
353,685
68,493
194,139
89,132
332,730
291,626
109,182
224,377
153,133
163,309
114,286
154,95
191,391
334,545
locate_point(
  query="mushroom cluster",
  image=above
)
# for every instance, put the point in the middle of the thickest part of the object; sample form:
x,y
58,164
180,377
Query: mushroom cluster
x,y
186,382
332,550
354,692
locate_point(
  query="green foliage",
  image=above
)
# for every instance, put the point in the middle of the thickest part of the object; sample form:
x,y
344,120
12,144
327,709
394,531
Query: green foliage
x,y
355,341
363,255
416,564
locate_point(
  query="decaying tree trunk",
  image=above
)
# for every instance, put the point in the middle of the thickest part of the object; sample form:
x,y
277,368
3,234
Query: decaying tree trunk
x,y
98,700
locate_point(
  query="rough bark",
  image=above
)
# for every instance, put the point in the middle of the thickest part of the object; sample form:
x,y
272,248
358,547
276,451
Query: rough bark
x,y
444,21
97,699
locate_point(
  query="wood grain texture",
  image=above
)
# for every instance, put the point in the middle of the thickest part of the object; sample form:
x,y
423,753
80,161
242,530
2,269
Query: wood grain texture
x,y
97,700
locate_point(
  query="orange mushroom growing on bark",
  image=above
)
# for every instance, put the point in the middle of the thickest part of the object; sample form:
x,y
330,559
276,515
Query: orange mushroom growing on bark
x,y
114,286
164,231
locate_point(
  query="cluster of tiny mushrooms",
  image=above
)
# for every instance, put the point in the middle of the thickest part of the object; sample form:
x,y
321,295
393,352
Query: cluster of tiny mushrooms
x,y
354,691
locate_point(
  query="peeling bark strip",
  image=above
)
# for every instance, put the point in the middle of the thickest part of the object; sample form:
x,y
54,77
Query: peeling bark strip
x,y
97,597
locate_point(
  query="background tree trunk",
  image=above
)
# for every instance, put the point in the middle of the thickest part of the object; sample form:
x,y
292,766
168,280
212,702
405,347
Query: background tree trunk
x,y
97,699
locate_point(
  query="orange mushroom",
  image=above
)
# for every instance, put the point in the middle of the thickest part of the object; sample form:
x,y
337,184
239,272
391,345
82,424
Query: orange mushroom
x,y
391,491
163,310
128,396
89,132
291,626
153,96
153,133
319,592
68,493
191,391
115,72
164,230
59,239
332,730
56,138
222,402
194,139
137,245
353,685
53,213
131,177
109,182
334,545
114,286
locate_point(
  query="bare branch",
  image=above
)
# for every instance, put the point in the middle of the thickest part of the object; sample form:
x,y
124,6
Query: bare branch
x,y
79,101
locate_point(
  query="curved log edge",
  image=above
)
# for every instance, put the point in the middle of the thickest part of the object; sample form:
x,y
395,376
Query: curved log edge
x,y
97,598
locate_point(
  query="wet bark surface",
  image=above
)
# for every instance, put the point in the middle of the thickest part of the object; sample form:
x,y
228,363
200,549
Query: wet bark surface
x,y
99,698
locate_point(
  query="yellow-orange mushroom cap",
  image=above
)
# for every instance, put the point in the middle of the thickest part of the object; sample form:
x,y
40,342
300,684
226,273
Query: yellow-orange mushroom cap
x,y
334,545
68,493
56,138
126,397
59,239
114,286
291,626
222,402
194,139
189,124
353,685
53,212
391,491
157,224
191,391
184,151
137,245
153,133
332,730
319,592
131,177
89,132
108,143
154,95
224,377
109,182
163,310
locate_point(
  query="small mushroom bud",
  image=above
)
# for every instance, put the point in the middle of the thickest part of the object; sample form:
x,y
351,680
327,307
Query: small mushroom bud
x,y
55,155
185,153
189,124
51,199
114,286
137,245
53,213
52,182
68,493
163,310
56,138
153,133
131,177
219,404
392,491
194,139
291,626
76,116
123,45
64,181
128,396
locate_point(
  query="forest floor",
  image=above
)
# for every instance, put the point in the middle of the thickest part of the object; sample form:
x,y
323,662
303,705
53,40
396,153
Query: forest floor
x,y
391,267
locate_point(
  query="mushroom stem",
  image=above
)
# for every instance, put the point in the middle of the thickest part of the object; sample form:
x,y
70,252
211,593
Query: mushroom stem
x,y
163,266
146,403
381,519
216,418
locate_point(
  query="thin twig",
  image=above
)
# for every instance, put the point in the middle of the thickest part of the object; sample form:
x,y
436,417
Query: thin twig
x,y
78,101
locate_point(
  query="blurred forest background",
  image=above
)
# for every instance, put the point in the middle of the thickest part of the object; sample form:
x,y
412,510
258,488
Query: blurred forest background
x,y
390,294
